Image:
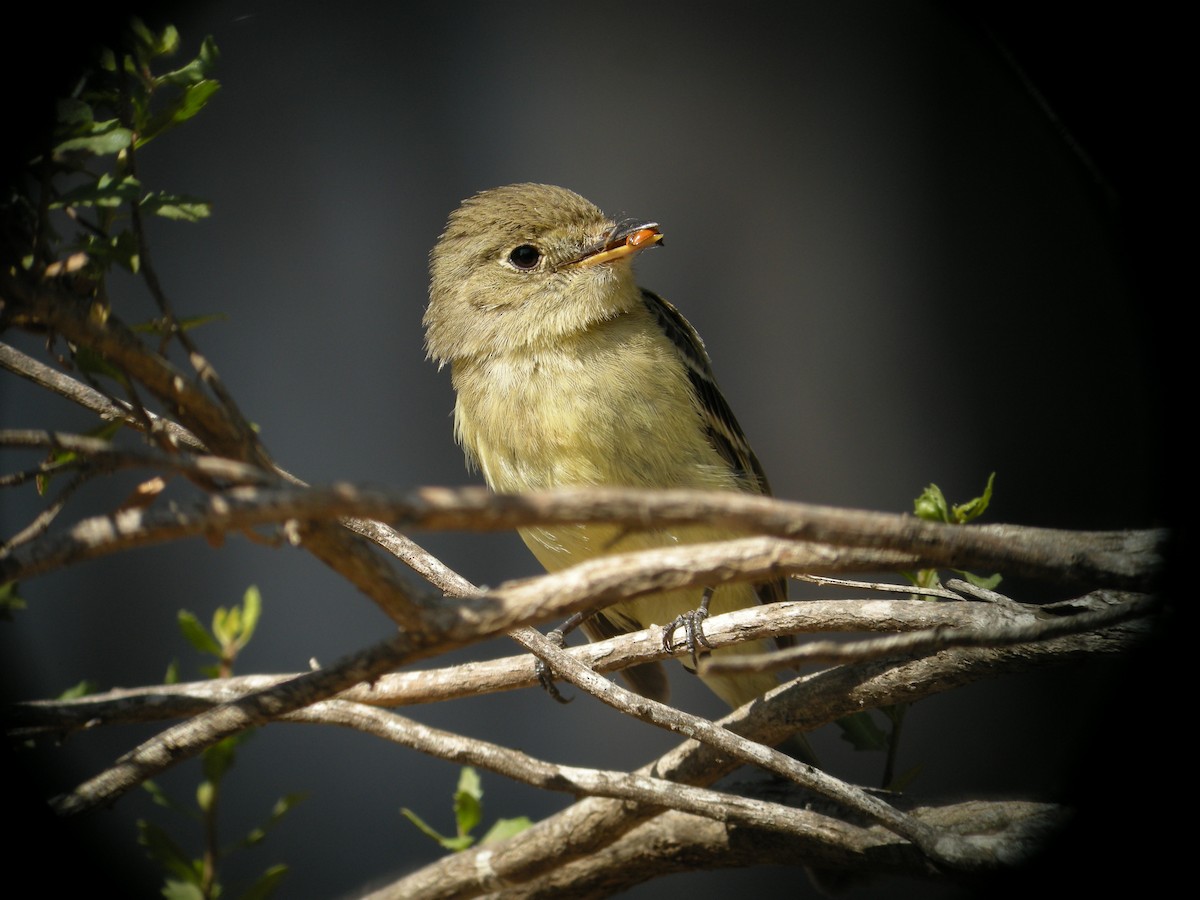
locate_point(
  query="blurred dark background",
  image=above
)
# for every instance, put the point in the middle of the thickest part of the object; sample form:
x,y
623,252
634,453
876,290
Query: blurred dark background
x,y
918,238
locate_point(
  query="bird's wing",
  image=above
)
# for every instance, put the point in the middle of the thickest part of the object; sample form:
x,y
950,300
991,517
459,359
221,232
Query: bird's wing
x,y
722,427
719,422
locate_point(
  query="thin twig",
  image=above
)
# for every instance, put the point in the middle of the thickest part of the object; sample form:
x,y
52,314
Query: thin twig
x,y
938,847
539,773
88,397
583,830
157,702
1116,558
826,581
931,640
186,740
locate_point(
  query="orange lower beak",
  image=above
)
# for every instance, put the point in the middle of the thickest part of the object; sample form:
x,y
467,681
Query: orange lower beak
x,y
624,243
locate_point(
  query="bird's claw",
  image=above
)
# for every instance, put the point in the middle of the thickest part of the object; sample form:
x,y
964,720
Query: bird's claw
x,y
692,623
545,677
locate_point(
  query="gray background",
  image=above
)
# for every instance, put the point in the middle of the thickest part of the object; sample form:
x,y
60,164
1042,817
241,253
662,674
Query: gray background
x,y
904,273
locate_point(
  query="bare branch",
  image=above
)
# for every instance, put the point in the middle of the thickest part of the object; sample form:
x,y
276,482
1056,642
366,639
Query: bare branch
x,y
1114,559
158,702
522,767
45,305
88,397
940,637
243,490
591,825
681,842
937,846
187,739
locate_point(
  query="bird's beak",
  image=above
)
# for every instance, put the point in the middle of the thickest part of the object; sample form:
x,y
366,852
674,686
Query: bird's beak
x,y
622,241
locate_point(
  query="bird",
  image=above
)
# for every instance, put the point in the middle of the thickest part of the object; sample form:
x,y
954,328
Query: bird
x,y
567,373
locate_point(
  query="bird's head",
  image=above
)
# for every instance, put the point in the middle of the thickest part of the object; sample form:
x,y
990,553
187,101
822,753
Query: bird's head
x,y
527,265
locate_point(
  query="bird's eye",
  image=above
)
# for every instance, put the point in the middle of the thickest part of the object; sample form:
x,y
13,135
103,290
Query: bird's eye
x,y
525,257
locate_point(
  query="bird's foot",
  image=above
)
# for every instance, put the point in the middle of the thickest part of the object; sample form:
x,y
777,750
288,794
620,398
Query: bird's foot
x,y
545,677
692,623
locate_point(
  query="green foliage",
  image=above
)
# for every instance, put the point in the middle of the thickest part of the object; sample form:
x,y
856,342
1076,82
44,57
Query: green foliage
x,y
163,850
85,185
81,689
58,460
864,733
468,813
10,600
163,329
231,630
932,506
159,103
132,96
198,877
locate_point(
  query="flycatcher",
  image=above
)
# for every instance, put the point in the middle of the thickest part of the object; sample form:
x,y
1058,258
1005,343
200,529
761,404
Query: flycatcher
x,y
570,375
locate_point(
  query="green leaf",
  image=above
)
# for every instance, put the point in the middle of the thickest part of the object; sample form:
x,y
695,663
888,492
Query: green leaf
x,y
168,41
467,812
206,792
74,112
163,799
106,191
172,674
148,45
55,460
196,71
191,100
106,431
121,248
925,578
92,363
181,890
505,828
266,883
251,613
862,732
286,804
82,689
219,758
10,600
990,583
282,807
102,139
220,625
196,634
932,505
146,39
468,806
901,782
163,850
470,783
177,207
972,509
449,843
159,326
